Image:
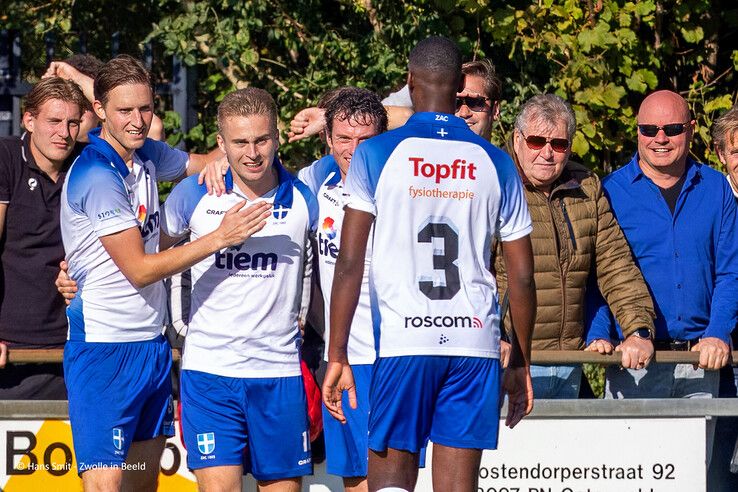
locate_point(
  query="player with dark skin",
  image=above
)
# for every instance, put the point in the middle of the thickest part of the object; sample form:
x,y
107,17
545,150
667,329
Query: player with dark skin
x,y
455,469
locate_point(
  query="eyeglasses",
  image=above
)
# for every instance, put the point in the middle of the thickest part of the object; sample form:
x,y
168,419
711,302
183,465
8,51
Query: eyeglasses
x,y
670,130
537,142
476,104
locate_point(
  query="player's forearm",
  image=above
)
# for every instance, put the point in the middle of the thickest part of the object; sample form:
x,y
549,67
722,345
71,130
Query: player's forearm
x,y
199,161
522,294
153,268
521,288
344,298
347,280
397,116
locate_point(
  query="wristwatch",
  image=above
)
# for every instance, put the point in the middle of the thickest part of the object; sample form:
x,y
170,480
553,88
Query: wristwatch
x,y
643,333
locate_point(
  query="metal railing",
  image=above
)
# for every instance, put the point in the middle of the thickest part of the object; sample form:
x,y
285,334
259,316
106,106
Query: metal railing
x,y
543,357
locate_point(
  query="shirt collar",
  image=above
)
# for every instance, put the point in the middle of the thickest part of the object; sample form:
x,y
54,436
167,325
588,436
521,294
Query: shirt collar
x,y
732,185
107,150
26,153
284,186
634,172
435,118
332,169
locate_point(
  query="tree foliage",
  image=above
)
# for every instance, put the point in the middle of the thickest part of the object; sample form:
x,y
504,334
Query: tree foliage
x,y
601,55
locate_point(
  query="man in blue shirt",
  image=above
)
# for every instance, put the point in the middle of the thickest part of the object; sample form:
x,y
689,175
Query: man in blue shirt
x,y
679,217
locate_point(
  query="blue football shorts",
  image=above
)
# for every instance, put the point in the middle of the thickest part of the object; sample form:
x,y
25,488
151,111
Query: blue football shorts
x,y
451,400
119,393
221,415
346,445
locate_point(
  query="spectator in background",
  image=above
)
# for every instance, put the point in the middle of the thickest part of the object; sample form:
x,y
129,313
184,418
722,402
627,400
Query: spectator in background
x,y
679,217
32,169
725,454
725,140
574,235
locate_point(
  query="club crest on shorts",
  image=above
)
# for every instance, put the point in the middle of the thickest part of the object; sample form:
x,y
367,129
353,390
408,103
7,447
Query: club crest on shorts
x,y
118,438
206,442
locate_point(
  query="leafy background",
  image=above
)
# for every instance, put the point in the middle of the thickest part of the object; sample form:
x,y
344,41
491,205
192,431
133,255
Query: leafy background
x,y
601,55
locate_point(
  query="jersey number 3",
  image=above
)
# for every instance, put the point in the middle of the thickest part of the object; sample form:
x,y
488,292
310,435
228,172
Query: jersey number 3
x,y
443,261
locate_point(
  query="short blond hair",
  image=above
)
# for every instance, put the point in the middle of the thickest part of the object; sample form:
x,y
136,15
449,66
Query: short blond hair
x,y
248,102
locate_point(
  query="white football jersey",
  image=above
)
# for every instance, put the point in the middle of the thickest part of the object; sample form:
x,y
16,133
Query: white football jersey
x,y
101,196
246,299
439,194
323,177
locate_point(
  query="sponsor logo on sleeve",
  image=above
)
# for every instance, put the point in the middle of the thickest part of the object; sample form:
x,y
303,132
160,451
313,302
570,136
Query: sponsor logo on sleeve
x,y
108,214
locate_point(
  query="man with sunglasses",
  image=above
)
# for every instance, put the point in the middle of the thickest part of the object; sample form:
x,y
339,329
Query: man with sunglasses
x,y
679,217
574,235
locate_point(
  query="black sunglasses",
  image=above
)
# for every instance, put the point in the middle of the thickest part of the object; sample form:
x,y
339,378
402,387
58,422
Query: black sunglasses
x,y
671,130
476,104
537,142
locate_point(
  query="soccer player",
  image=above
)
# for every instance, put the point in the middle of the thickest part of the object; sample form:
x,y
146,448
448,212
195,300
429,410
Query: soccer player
x,y
241,378
437,194
116,361
352,116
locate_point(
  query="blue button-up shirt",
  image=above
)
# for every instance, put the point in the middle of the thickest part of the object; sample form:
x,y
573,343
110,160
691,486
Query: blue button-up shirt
x,y
689,259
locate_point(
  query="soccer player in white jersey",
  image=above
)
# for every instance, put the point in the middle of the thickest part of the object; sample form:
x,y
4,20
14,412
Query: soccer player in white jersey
x,y
352,116
241,381
116,361
436,194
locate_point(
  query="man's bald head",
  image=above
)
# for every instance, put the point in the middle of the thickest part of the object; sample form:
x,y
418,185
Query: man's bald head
x,y
435,74
664,101
665,130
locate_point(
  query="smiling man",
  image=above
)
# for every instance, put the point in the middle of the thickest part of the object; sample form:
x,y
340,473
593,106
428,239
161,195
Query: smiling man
x,y
116,361
32,170
478,104
353,116
241,379
679,217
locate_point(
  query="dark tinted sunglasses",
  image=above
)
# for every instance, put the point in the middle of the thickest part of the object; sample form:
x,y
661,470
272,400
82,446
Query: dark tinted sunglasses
x,y
536,142
476,104
671,130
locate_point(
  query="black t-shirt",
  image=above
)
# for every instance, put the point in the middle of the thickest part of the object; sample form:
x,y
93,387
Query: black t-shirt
x,y
32,312
671,195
